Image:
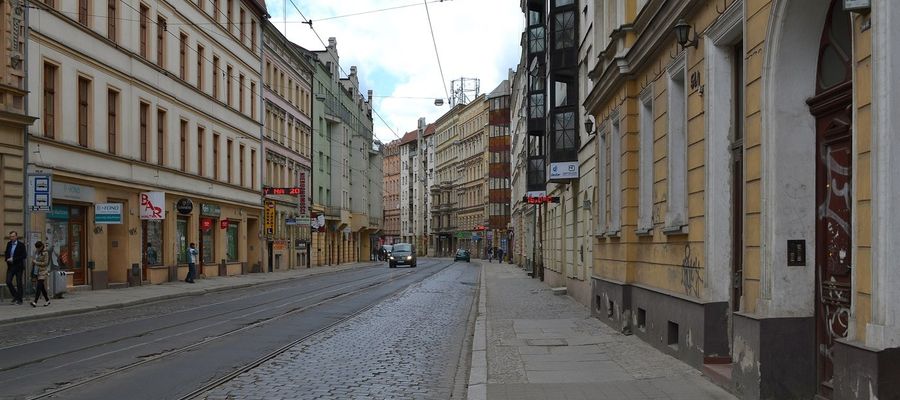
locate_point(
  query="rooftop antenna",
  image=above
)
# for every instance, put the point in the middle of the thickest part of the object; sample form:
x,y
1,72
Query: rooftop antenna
x,y
464,90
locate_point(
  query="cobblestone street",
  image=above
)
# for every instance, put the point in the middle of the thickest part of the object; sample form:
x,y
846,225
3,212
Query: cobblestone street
x,y
407,347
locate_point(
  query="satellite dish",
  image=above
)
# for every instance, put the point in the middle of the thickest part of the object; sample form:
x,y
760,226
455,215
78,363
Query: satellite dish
x,y
438,102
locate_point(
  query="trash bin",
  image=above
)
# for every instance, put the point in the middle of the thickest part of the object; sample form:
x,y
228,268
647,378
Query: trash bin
x,y
58,283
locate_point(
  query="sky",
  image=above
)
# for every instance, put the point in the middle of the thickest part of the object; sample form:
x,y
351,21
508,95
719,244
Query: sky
x,y
394,52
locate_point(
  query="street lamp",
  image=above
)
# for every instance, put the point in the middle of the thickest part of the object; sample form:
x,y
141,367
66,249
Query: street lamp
x,y
588,125
682,31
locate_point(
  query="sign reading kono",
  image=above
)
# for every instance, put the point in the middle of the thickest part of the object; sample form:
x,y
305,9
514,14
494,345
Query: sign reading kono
x,y
108,213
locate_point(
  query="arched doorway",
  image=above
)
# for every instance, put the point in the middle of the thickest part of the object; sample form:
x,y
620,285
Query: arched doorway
x,y
832,109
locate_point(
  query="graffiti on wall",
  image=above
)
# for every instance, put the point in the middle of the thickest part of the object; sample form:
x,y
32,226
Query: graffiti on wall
x,y
691,273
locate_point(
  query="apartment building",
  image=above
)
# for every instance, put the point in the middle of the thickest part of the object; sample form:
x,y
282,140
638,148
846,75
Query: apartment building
x,y
408,170
151,118
498,177
287,140
471,170
391,192
443,194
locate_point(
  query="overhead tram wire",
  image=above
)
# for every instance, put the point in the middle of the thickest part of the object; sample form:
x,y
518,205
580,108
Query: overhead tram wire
x,y
438,56
311,27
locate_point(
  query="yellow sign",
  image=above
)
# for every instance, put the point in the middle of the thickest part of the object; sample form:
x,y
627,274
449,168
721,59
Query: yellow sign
x,y
270,217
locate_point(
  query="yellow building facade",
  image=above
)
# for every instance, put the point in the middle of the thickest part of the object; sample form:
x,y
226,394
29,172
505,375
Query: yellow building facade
x,y
742,212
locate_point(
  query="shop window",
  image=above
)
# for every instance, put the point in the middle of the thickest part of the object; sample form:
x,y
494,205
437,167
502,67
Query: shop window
x,y
231,251
208,244
153,242
181,239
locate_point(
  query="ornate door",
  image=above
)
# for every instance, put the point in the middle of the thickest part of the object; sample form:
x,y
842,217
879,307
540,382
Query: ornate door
x,y
832,107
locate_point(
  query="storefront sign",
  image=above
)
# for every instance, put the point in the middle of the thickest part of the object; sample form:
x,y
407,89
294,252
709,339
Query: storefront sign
x,y
184,206
206,224
59,212
463,235
290,221
303,221
564,170
301,197
153,205
223,224
490,235
279,245
108,213
210,210
39,196
68,191
269,217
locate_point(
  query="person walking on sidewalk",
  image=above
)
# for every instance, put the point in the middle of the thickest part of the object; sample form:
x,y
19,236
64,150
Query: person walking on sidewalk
x,y
39,273
192,263
15,266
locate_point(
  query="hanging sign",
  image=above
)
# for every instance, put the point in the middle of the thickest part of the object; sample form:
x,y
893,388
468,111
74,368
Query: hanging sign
x,y
153,205
223,224
206,224
184,206
269,214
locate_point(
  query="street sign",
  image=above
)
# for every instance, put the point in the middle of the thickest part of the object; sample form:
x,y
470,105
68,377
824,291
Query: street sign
x,y
269,218
39,192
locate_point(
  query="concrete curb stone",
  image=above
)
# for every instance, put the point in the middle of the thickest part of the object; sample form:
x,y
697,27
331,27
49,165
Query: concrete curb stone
x,y
477,389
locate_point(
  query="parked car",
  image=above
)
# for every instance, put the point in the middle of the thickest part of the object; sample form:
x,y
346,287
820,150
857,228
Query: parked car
x,y
462,255
402,254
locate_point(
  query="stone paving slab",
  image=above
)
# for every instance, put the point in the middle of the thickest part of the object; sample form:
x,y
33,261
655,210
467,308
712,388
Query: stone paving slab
x,y
543,346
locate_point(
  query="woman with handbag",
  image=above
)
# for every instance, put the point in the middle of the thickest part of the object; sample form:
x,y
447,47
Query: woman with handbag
x,y
39,273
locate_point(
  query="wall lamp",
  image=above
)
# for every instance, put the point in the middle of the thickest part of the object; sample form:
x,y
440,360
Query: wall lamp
x,y
589,125
682,32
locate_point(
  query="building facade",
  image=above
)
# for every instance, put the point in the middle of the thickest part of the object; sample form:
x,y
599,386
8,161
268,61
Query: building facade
x,y
731,192
443,194
287,95
498,180
13,118
391,192
347,183
408,170
471,170
522,213
150,131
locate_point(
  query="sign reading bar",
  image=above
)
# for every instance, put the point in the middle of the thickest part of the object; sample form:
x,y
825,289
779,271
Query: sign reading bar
x,y
540,199
289,191
153,205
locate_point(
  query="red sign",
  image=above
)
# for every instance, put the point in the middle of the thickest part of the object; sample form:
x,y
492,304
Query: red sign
x,y
223,224
290,191
541,200
301,197
205,224
480,228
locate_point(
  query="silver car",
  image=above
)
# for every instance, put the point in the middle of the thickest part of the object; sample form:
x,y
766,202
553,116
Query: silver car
x,y
402,254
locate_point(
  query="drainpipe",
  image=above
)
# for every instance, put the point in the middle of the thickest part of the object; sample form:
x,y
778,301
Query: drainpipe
x,y
26,215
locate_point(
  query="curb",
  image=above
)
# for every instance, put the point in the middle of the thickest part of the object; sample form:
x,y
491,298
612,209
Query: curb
x,y
152,299
477,389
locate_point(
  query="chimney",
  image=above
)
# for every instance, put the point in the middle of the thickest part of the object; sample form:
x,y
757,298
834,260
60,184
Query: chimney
x,y
332,42
352,70
369,98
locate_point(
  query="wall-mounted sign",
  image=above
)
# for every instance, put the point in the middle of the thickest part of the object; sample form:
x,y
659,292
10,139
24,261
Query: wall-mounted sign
x,y
108,213
69,191
184,206
153,205
269,214
210,210
223,224
40,198
206,224
282,191
301,198
563,170
540,199
857,5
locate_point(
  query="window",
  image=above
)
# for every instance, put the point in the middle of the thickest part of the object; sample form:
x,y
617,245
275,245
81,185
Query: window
x,y
241,169
83,12
153,242
228,91
676,210
241,26
565,138
160,41
241,93
201,4
253,100
112,17
182,56
215,77
602,176
112,120
229,164
645,170
615,176
201,156
215,154
218,10
160,136
208,244
200,57
228,13
564,30
144,117
181,237
183,144
253,34
84,87
253,168
144,32
50,100
231,238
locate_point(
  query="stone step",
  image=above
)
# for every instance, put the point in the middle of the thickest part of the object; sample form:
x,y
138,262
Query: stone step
x,y
559,291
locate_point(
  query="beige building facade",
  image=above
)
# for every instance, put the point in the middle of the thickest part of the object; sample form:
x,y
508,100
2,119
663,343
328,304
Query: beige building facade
x,y
471,172
150,131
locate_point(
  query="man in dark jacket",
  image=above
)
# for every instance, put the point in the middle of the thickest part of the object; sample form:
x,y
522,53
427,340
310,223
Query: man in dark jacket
x,y
15,266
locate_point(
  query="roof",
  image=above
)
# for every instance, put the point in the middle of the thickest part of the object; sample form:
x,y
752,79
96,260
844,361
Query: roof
x,y
429,130
501,90
409,137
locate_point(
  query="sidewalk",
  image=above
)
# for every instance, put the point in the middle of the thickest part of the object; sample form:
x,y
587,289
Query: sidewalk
x,y
532,344
91,300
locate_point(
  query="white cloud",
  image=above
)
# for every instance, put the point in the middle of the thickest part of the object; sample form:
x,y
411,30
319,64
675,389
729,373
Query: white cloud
x,y
395,55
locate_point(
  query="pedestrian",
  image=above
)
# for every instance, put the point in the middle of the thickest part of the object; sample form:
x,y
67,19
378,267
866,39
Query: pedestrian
x,y
490,254
151,254
39,264
15,266
192,263
500,255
